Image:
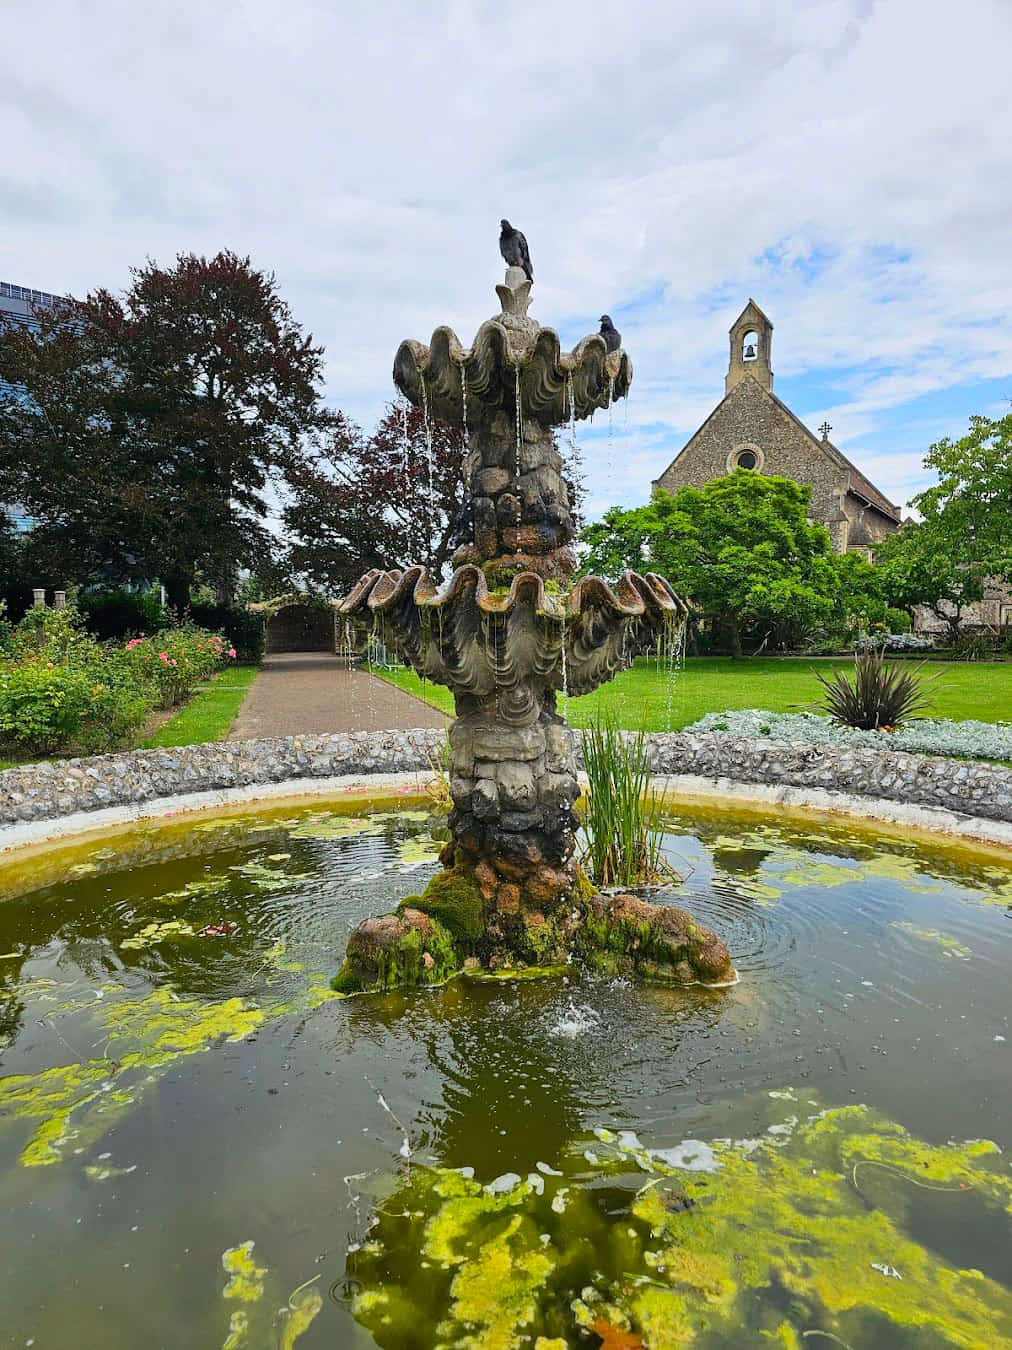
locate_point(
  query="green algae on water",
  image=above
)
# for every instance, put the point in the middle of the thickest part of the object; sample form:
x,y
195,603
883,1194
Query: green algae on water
x,y
73,1105
419,848
949,945
157,932
255,1325
700,1244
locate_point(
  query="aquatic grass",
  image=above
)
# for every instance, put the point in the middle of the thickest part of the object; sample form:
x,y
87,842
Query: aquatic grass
x,y
622,818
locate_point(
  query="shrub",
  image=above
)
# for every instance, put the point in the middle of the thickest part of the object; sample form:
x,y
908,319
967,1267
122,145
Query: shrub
x,y
121,613
980,646
897,642
173,661
622,819
880,695
45,706
61,689
967,740
244,629
897,621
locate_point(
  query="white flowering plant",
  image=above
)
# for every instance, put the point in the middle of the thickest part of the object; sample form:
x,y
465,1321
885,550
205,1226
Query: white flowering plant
x,y
925,736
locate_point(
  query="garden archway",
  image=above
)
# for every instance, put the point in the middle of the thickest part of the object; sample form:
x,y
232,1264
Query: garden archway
x,y
300,626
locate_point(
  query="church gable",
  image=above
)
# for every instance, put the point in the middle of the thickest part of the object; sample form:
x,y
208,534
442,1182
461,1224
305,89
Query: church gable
x,y
750,428
753,429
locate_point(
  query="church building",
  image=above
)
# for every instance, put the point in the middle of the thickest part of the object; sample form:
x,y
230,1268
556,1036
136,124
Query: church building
x,y
751,428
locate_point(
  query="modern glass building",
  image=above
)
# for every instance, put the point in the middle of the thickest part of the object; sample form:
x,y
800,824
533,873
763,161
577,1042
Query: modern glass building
x,y
18,305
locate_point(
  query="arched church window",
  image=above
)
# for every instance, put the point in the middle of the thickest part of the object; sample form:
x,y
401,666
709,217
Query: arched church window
x,y
747,460
750,346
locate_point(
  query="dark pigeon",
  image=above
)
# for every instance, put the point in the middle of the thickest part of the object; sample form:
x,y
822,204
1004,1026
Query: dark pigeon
x,y
513,247
612,337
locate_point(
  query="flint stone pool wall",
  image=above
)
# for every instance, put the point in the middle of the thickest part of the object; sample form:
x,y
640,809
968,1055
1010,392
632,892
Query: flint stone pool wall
x,y
36,793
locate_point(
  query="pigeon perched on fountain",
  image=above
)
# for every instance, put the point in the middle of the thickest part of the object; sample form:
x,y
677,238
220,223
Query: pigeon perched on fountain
x,y
612,337
513,247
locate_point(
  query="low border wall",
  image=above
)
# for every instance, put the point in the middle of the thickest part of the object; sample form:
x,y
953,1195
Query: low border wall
x,y
35,793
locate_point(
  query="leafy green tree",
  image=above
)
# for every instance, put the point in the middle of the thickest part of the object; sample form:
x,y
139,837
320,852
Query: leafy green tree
x,y
923,565
744,550
971,505
964,536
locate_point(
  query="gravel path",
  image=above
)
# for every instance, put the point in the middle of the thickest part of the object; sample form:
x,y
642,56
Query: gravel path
x,y
298,693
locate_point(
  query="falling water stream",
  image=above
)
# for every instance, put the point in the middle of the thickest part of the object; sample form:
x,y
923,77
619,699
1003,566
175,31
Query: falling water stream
x,y
429,457
519,443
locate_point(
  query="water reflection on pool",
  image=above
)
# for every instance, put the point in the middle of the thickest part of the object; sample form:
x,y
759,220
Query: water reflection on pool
x,y
200,1146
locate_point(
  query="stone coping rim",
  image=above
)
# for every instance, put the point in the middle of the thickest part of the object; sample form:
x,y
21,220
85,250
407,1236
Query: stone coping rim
x,y
56,798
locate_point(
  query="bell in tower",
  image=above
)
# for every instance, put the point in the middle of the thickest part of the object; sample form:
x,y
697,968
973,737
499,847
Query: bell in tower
x,y
751,341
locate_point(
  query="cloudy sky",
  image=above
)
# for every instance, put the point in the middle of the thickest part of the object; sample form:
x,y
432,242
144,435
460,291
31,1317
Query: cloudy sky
x,y
846,162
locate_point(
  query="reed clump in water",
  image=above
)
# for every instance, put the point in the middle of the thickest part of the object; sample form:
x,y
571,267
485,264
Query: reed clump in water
x,y
622,819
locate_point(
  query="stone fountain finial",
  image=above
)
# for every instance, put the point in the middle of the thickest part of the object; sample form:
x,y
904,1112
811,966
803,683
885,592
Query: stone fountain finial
x,y
507,633
515,298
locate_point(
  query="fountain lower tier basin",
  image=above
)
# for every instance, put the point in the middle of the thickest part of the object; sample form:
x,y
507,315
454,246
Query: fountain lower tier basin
x,y
201,1145
506,644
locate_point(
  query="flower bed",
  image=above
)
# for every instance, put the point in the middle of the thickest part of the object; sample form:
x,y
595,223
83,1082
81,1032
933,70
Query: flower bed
x,y
926,736
61,690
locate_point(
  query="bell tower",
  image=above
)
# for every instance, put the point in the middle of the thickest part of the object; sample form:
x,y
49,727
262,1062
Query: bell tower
x,y
751,344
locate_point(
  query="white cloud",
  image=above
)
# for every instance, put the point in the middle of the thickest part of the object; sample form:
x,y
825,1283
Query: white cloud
x,y
844,161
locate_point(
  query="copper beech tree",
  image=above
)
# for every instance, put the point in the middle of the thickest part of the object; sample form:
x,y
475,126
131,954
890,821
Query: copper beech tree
x,y
144,431
394,498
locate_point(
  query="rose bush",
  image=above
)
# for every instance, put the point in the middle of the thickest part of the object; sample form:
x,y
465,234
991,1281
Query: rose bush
x,y
175,660
61,689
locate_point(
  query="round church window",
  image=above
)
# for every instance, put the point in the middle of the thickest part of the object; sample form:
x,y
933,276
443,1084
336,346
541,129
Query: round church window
x,y
747,460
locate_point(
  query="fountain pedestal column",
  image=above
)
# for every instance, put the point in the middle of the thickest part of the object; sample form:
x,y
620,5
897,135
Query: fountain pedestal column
x,y
506,632
513,786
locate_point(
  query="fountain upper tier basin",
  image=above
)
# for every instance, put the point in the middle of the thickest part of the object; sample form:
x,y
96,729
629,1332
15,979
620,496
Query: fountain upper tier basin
x,y
479,642
553,383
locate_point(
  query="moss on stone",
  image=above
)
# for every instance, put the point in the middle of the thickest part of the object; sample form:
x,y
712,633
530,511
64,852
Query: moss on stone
x,y
622,935
398,951
454,898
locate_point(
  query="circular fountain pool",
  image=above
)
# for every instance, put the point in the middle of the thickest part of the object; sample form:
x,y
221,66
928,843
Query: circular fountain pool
x,y
201,1146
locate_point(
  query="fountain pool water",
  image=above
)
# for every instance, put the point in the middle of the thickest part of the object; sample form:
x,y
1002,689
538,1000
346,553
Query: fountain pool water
x,y
201,1145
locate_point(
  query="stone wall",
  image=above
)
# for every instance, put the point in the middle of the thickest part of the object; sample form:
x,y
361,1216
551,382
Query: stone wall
x,y
749,417
60,787
39,792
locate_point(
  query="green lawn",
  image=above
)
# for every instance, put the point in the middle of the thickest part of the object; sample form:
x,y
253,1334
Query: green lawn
x,y
639,697
210,713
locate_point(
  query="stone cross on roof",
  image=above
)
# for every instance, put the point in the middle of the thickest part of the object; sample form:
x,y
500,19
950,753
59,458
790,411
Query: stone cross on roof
x,y
826,428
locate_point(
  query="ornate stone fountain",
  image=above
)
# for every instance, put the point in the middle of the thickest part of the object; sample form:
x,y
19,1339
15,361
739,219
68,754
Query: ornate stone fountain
x,y
507,633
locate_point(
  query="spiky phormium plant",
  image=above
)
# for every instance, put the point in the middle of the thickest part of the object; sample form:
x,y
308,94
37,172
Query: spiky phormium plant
x,y
879,695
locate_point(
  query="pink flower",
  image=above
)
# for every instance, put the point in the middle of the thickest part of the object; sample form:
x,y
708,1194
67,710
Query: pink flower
x,y
163,656
231,652
173,663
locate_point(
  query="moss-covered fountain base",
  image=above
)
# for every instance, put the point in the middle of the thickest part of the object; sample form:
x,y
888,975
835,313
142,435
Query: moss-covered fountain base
x,y
475,921
512,897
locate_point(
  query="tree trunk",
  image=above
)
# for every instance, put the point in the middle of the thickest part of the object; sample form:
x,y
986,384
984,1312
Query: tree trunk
x,y
177,590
